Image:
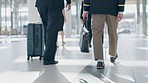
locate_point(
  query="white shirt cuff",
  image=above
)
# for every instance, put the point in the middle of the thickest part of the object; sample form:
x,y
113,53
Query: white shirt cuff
x,y
120,12
85,11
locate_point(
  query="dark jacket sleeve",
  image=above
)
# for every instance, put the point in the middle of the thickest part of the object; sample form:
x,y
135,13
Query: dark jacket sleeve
x,y
121,4
68,1
86,5
81,10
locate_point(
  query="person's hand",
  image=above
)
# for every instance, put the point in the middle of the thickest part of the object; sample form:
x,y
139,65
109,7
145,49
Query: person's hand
x,y
68,6
85,15
119,17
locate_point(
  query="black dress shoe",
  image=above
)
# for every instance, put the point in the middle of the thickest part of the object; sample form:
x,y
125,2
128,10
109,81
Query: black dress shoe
x,y
100,65
49,62
112,59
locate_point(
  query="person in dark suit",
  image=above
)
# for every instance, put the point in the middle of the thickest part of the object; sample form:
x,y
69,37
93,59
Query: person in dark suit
x,y
109,12
52,18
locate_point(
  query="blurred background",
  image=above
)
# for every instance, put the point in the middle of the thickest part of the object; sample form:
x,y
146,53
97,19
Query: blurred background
x,y
15,15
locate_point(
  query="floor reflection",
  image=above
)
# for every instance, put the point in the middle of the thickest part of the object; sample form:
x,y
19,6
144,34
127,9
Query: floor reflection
x,y
50,74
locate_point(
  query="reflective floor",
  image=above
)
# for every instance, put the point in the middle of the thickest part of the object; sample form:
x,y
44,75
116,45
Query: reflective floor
x,y
74,66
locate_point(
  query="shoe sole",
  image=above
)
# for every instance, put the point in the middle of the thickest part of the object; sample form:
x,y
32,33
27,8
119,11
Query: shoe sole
x,y
50,63
100,67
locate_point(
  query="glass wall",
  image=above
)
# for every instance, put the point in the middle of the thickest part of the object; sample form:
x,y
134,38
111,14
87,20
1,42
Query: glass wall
x,y
128,24
75,12
142,16
13,15
135,17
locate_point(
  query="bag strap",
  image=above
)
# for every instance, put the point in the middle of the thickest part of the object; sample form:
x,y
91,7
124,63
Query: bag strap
x,y
85,27
85,23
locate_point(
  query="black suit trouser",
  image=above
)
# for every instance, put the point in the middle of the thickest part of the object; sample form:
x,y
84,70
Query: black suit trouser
x,y
52,21
43,14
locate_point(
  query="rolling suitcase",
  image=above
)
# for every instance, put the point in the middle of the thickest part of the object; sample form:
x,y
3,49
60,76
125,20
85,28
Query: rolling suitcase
x,y
34,40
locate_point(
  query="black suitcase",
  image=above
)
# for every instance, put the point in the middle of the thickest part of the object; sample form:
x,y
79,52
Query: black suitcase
x,y
34,40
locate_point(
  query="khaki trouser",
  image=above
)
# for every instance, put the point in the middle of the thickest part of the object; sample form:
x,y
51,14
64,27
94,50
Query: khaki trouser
x,y
97,29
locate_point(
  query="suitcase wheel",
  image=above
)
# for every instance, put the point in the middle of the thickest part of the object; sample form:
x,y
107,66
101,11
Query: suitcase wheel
x,y
40,58
28,58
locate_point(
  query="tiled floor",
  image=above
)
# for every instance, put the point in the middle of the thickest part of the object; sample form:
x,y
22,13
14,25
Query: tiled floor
x,y
74,66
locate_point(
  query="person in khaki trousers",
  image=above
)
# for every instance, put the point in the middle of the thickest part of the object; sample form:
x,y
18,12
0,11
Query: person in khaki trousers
x,y
109,12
